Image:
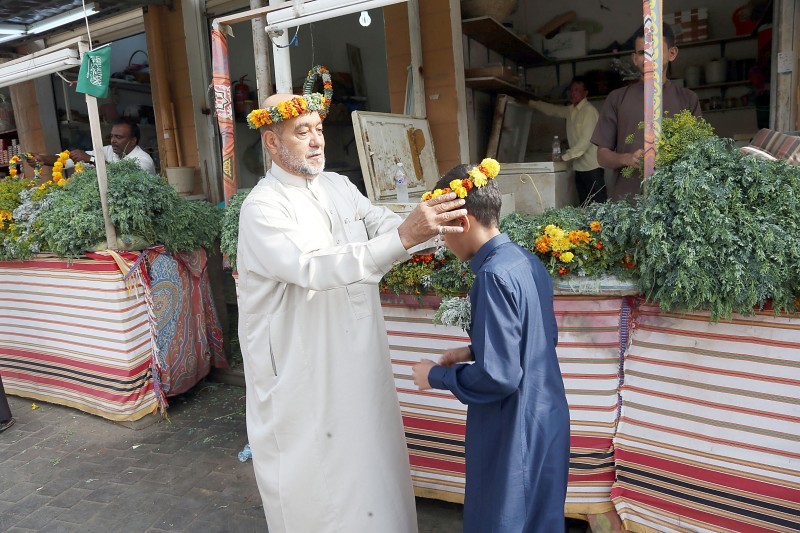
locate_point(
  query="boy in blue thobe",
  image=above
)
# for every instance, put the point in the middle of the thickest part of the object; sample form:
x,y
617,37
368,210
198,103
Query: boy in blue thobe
x,y
517,439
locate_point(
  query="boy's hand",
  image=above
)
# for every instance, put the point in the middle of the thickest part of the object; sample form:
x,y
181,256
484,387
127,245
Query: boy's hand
x,y
420,373
455,355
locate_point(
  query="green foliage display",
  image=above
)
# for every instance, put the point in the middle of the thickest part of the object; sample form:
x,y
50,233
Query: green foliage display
x,y
230,227
140,204
721,232
677,134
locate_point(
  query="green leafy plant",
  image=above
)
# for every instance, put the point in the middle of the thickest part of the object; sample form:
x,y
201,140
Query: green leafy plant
x,y
230,227
721,232
677,133
140,204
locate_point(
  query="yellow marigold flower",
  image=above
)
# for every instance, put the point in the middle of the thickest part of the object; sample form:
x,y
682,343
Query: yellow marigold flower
x,y
427,196
13,172
477,176
595,226
58,165
460,191
57,175
79,167
62,182
567,257
490,167
455,184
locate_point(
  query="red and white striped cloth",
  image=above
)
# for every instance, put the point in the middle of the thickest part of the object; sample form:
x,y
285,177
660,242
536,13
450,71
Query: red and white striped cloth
x,y
589,355
71,334
709,436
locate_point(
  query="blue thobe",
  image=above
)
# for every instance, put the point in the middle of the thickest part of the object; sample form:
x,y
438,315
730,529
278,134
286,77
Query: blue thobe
x,y
517,441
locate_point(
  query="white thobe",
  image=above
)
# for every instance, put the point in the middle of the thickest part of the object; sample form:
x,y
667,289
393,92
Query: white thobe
x,y
323,418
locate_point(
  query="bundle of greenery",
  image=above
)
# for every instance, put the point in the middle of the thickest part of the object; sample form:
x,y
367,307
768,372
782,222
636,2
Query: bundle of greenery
x,y
143,207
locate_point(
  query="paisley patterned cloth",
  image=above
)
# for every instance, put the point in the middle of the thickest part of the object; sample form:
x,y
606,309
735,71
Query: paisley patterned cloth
x,y
189,336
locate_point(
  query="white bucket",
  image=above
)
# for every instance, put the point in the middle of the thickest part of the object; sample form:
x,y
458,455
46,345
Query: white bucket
x,y
181,179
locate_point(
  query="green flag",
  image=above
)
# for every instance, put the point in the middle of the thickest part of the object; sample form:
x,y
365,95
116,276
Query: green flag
x,y
95,72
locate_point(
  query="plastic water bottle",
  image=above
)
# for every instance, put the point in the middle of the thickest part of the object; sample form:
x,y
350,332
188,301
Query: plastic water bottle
x,y
556,149
245,455
401,184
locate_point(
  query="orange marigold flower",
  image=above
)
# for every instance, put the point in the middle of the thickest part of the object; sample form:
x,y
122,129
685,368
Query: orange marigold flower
x,y
598,245
563,271
595,226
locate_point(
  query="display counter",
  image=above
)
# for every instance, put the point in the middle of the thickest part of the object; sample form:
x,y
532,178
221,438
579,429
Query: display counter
x,y
83,334
677,423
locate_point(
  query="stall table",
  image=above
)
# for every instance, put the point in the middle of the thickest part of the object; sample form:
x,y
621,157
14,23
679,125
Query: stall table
x,y
83,334
677,424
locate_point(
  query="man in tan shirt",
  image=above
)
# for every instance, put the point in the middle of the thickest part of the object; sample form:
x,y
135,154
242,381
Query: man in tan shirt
x,y
581,120
622,112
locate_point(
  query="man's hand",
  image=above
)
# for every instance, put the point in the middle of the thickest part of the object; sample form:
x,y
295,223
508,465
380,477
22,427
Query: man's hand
x,y
430,218
79,155
420,373
455,355
632,159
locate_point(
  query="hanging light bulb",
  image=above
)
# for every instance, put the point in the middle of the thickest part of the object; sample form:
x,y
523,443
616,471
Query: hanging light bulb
x,y
364,19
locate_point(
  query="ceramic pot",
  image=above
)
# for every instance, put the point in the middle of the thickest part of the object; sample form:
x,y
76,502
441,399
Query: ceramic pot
x,y
716,71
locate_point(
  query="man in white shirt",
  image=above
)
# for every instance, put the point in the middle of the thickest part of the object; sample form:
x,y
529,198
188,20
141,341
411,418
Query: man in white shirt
x,y
323,419
581,120
124,145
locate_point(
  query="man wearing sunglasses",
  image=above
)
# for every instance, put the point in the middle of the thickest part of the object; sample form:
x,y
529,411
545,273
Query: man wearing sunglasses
x,y
622,112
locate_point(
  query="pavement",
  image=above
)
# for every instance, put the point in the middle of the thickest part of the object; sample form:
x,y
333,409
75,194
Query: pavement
x,y
62,470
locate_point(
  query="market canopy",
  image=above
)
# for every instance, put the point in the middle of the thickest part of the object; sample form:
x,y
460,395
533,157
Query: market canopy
x,y
27,20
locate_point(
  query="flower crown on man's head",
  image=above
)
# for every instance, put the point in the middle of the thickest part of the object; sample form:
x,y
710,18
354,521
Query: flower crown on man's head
x,y
477,177
297,105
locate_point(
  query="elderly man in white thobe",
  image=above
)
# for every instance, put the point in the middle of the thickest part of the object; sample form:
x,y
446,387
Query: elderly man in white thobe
x,y
323,418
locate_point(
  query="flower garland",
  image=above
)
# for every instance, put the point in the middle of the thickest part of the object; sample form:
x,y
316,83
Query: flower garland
x,y
478,177
297,105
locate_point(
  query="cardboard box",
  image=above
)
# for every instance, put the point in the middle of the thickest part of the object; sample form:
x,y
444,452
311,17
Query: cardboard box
x,y
688,25
566,45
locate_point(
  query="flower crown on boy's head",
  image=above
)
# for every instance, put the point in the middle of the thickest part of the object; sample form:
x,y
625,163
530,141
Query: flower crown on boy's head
x,y
297,105
477,177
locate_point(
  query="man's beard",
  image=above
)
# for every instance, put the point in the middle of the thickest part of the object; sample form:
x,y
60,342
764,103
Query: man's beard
x,y
298,165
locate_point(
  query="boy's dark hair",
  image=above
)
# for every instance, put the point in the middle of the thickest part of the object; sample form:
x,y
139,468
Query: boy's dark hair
x,y
666,31
483,203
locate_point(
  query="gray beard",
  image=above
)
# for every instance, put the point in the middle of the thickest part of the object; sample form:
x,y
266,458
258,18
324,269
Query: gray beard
x,y
299,166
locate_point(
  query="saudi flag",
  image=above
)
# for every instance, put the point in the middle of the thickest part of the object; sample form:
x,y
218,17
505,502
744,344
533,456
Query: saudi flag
x,y
95,72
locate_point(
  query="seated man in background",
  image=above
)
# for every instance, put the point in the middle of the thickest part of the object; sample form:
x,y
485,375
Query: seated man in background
x,y
124,145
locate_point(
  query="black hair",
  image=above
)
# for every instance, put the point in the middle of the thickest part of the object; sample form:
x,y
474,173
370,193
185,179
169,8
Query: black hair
x,y
134,128
483,203
666,31
581,80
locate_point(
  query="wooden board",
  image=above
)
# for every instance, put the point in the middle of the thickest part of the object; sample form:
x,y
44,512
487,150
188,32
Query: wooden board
x,y
383,140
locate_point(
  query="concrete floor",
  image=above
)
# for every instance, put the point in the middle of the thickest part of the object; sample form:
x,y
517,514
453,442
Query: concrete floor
x,y
65,470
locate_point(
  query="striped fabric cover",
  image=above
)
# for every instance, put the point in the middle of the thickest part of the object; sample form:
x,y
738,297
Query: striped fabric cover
x,y
72,335
779,144
589,353
709,435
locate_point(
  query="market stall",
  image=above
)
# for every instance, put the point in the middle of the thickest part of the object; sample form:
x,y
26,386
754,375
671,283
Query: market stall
x,y
85,334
